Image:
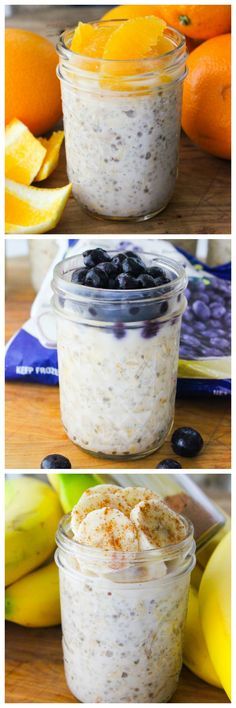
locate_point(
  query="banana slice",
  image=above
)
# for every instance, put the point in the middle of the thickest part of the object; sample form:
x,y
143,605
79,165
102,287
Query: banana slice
x,y
104,495
157,525
135,495
108,529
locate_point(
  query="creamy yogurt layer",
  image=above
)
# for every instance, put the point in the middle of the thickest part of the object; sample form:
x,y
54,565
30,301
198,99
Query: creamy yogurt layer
x,y
123,611
122,151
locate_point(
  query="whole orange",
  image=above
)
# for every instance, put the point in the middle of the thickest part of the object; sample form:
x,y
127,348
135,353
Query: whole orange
x,y
206,116
198,21
123,12
32,89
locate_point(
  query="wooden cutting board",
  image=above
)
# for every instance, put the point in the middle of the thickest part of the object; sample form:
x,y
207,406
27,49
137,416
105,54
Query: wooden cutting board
x,y
33,425
201,202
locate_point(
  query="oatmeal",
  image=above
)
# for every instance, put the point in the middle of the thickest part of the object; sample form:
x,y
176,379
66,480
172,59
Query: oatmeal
x,y
123,613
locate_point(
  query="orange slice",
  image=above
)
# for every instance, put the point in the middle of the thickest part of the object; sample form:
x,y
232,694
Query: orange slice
x,y
83,34
134,38
52,145
24,154
33,210
90,40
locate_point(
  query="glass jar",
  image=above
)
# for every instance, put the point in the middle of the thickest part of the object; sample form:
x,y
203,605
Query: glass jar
x,y
41,254
118,357
123,617
122,124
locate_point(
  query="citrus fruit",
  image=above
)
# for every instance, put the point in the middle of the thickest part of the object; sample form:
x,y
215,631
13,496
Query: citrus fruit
x,y
32,88
90,40
33,210
122,12
24,154
52,146
198,21
206,116
134,39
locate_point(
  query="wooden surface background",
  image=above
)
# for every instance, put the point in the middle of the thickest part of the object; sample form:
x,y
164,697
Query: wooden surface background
x,y
34,671
201,202
33,425
34,664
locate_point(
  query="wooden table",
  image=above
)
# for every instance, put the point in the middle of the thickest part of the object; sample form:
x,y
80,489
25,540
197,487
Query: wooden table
x,y
33,425
34,669
201,202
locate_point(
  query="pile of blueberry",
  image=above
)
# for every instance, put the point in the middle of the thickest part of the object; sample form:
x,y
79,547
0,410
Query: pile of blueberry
x,y
125,271
206,323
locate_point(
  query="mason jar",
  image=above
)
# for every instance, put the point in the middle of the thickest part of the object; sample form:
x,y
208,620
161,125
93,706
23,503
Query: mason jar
x,y
123,617
118,358
122,124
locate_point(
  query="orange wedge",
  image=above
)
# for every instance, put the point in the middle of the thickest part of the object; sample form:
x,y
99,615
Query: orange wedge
x,y
83,34
134,38
90,40
24,154
52,146
33,210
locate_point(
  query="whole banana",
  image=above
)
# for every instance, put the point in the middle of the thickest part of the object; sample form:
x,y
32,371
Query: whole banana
x,y
195,653
33,512
33,601
214,606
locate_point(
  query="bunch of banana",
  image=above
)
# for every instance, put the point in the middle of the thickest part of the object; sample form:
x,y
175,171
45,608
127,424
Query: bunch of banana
x,y
33,512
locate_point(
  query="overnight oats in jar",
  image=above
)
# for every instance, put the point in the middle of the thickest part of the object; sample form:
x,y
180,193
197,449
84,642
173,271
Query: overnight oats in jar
x,y
118,327
124,562
122,104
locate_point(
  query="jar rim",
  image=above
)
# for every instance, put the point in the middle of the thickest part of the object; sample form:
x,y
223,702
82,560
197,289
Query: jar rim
x,y
65,50
67,543
77,291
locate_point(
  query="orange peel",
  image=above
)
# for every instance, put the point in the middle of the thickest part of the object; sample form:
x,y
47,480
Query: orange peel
x,y
32,209
24,154
52,146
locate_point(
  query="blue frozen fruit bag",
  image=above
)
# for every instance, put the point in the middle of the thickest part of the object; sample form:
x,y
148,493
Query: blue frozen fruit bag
x,y
205,341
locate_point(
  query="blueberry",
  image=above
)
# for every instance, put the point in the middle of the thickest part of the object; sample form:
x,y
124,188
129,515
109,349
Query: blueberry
x,y
131,254
201,310
150,330
118,260
218,311
126,282
168,464
145,281
133,267
54,462
95,256
119,330
79,275
158,274
108,268
96,278
186,442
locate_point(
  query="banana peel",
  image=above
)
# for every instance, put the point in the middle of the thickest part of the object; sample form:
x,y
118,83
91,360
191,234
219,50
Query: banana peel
x,y
195,652
34,601
215,610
